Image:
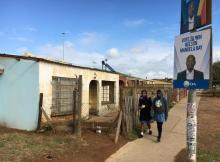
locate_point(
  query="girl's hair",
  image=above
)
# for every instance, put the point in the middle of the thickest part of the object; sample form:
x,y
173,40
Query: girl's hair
x,y
142,92
159,91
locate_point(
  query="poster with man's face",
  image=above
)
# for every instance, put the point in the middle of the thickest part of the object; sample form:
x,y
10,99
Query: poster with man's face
x,y
195,14
192,60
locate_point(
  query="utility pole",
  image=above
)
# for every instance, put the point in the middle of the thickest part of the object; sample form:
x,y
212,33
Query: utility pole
x,y
191,121
63,43
189,30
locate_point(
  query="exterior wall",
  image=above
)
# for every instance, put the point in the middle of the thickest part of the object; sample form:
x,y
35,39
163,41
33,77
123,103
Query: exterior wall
x,y
47,70
19,93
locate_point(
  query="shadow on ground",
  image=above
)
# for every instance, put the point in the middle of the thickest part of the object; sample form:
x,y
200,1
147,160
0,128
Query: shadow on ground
x,y
181,156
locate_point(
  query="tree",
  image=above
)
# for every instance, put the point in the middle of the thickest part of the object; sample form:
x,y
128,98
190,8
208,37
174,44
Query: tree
x,y
216,73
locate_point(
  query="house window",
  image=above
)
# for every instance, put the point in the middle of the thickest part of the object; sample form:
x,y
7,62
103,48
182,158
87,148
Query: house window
x,y
108,92
105,93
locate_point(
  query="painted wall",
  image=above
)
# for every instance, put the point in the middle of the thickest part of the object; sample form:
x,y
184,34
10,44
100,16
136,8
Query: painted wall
x,y
19,93
47,70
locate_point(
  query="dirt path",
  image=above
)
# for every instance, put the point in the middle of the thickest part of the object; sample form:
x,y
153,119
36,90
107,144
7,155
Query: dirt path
x,y
148,150
21,146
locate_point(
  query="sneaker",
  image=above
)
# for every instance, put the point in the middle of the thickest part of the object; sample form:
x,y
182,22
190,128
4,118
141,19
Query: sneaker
x,y
150,132
142,134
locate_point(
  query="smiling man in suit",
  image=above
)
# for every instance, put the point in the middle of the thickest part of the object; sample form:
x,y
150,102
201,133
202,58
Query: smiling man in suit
x,y
190,73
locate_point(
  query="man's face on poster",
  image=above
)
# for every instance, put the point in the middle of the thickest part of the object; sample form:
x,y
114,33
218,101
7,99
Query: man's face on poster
x,y
190,62
191,9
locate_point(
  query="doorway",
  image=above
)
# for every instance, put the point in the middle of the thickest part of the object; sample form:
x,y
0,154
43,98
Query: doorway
x,y
93,97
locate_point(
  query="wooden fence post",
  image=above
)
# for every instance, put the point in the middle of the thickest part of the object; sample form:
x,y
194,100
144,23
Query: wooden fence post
x,y
40,111
74,112
118,127
78,109
122,106
134,114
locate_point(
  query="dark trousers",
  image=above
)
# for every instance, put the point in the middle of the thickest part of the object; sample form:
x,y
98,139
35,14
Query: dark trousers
x,y
159,128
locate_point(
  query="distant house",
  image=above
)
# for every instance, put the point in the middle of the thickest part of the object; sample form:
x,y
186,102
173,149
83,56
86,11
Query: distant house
x,y
23,78
157,82
130,81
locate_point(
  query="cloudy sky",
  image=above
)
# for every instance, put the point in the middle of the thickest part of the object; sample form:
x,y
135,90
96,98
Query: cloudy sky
x,y
136,36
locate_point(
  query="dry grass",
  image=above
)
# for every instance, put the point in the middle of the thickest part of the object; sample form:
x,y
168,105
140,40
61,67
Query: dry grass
x,y
21,146
17,146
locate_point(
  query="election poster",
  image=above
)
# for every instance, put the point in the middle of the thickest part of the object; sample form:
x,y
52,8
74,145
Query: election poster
x,y
195,14
192,60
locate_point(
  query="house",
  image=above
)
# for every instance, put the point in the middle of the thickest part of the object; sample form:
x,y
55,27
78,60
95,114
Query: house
x,y
130,81
157,82
23,78
125,80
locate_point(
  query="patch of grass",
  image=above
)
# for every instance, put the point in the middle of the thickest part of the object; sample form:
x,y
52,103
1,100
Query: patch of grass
x,y
208,155
133,135
14,147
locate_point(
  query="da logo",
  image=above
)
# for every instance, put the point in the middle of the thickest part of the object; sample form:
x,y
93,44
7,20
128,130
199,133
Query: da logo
x,y
186,83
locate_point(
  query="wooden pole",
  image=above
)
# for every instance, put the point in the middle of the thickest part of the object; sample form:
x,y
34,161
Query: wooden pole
x,y
40,111
46,116
122,107
118,127
78,110
135,107
74,112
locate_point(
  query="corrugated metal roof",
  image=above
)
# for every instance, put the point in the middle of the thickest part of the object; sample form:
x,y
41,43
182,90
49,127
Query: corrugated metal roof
x,y
40,59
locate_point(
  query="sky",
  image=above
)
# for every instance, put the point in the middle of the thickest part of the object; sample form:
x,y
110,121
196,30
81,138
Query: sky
x,y
136,36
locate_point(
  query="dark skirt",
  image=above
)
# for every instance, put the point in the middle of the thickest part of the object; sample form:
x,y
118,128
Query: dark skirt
x,y
145,114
